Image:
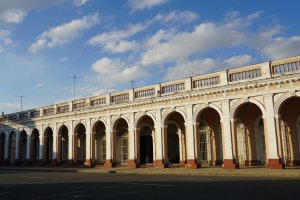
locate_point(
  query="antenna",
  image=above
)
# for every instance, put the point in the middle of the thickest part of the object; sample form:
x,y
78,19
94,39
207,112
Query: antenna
x,y
74,77
74,86
132,82
21,103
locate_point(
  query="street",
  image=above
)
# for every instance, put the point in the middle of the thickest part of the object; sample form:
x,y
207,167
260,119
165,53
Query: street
x,y
74,185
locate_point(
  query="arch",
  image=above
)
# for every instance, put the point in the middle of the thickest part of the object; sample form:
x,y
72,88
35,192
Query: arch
x,y
22,145
141,116
170,111
289,129
234,108
97,120
2,146
120,140
34,145
279,102
12,146
117,118
63,144
34,131
48,144
199,110
80,143
98,142
96,123
77,126
249,142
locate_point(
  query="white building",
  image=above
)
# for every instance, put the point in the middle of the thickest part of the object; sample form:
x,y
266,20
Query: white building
x,y
243,116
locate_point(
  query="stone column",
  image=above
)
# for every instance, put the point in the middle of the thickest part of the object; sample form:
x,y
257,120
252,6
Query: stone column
x,y
137,146
70,145
6,147
159,159
75,148
88,156
17,151
54,146
190,140
28,148
270,130
131,143
109,163
93,147
40,159
229,162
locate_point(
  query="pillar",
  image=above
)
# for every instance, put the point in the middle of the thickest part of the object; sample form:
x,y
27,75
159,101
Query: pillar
x,y
159,159
28,147
70,145
131,143
190,140
40,158
109,163
229,162
270,130
17,153
54,146
6,146
88,156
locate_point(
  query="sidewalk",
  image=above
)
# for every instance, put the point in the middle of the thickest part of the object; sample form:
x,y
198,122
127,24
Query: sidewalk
x,y
209,171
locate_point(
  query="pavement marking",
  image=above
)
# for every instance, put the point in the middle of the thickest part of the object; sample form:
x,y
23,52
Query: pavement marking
x,y
151,184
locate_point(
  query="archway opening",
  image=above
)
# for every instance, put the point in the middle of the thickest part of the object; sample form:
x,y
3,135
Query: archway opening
x,y
174,142
48,145
2,147
80,144
145,140
209,138
23,146
35,146
249,135
99,143
289,113
121,141
12,148
63,145
146,145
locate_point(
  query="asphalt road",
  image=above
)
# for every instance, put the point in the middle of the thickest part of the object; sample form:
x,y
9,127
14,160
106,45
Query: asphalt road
x,y
73,185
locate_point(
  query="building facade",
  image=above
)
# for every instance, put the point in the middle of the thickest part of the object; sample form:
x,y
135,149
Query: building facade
x,y
237,117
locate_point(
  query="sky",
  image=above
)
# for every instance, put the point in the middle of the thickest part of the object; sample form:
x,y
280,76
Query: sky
x,y
108,43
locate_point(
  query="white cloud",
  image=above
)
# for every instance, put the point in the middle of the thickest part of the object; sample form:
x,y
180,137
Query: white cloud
x,y
107,66
207,65
79,3
238,61
190,68
203,38
176,17
14,11
117,41
64,33
111,72
9,106
63,59
137,5
13,16
39,85
5,40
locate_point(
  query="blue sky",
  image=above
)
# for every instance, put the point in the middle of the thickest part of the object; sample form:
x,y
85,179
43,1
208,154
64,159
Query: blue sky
x,y
108,43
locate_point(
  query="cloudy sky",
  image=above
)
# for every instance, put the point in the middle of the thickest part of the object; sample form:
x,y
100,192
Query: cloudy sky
x,y
106,43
